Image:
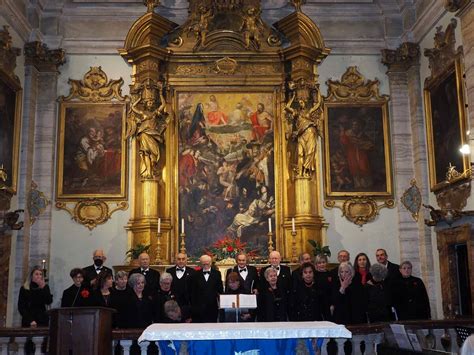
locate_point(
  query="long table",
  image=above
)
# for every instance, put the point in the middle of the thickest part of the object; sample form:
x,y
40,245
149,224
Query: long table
x,y
238,338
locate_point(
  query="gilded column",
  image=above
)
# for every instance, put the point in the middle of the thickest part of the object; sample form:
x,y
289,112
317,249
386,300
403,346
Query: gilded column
x,y
303,109
409,152
465,11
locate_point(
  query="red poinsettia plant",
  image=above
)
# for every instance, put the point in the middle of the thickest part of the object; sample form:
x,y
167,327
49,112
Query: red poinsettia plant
x,y
228,247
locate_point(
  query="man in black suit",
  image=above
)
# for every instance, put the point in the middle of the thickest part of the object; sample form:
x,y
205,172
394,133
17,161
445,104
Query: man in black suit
x,y
343,256
393,270
92,271
296,274
181,279
248,274
283,272
152,277
206,286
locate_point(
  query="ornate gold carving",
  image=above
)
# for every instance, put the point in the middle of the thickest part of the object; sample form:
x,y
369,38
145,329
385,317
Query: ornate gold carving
x,y
147,123
306,125
411,199
252,27
443,54
274,40
95,87
151,4
455,196
91,212
200,25
297,4
401,58
225,66
36,202
8,54
42,58
353,87
360,210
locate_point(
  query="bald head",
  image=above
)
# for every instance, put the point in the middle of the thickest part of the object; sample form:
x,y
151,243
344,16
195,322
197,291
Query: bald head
x,y
274,258
205,261
144,260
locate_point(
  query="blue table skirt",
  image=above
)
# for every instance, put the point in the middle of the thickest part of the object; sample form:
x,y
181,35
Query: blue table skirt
x,y
239,347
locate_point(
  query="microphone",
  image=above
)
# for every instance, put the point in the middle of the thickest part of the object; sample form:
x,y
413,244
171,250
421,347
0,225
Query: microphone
x,y
75,297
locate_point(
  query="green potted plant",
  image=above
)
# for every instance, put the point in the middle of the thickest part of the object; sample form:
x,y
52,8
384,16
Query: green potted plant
x,y
319,249
134,252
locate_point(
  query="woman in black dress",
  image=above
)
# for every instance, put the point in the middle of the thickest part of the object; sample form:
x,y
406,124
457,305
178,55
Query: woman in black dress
x,y
140,304
272,301
324,280
233,286
307,297
379,300
77,295
119,298
102,293
359,295
33,299
409,295
163,295
341,294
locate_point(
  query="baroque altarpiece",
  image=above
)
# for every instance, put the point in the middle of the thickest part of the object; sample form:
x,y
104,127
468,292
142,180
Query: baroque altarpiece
x,y
225,119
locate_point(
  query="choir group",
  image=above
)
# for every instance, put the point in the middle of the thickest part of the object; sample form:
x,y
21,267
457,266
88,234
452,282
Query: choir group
x,y
347,294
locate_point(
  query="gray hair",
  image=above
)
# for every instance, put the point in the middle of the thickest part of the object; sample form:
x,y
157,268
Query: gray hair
x,y
345,265
134,278
320,257
120,274
171,306
165,276
379,272
406,262
268,271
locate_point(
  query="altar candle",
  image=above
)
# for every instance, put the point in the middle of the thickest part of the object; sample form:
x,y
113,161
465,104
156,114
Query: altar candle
x,y
269,225
182,225
293,228
159,225
43,262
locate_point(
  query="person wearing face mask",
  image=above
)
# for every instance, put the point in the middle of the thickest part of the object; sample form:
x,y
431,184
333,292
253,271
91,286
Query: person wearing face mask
x,y
77,295
307,297
91,272
33,299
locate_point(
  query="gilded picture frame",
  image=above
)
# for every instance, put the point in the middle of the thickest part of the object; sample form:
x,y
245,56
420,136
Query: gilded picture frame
x,y
10,127
446,125
357,149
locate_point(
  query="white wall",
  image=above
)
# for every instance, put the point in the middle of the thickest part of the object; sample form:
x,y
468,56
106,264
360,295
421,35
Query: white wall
x,y
72,244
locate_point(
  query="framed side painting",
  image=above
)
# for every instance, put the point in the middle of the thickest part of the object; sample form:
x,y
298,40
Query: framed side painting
x,y
10,122
226,169
446,124
92,151
357,150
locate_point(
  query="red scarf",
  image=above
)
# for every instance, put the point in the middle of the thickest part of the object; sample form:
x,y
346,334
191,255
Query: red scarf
x,y
363,274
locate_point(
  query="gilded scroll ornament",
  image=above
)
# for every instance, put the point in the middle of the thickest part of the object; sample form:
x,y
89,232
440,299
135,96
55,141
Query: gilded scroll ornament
x,y
353,86
147,123
411,199
306,123
91,212
226,66
360,210
95,87
36,202
252,27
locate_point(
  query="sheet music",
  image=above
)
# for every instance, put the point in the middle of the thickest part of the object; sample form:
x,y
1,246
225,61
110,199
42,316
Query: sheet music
x,y
237,301
227,301
247,301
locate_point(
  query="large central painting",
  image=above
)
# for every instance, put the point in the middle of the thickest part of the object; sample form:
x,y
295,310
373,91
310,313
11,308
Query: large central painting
x,y
226,170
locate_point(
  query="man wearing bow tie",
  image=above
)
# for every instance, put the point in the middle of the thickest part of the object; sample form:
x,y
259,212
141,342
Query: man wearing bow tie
x,y
248,274
283,272
206,286
181,279
152,277
92,271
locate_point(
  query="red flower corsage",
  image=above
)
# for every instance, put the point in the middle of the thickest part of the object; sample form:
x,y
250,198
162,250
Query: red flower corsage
x,y
85,293
197,268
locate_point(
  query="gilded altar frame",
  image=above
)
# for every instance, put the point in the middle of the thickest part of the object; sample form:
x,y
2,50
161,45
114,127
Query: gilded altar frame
x,y
238,53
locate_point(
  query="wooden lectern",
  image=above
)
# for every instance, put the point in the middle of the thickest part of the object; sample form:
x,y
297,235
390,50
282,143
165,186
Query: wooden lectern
x,y
81,330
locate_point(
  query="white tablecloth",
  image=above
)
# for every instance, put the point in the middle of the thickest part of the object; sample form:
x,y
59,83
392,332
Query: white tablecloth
x,y
263,330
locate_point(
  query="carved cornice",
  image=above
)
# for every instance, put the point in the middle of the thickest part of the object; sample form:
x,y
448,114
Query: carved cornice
x,y
455,5
8,54
402,58
42,58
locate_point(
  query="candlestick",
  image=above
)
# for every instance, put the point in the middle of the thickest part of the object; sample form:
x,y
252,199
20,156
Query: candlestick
x,y
294,256
270,242
182,248
182,225
270,225
43,264
158,243
159,225
293,227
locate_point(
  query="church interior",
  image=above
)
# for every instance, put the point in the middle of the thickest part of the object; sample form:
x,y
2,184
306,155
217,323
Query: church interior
x,y
224,125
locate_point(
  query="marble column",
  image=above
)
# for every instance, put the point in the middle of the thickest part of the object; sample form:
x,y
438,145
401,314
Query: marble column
x,y
409,154
37,154
465,11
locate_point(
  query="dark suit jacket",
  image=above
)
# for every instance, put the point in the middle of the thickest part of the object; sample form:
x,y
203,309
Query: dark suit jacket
x,y
90,273
204,295
252,278
181,287
393,272
152,279
285,282
75,297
